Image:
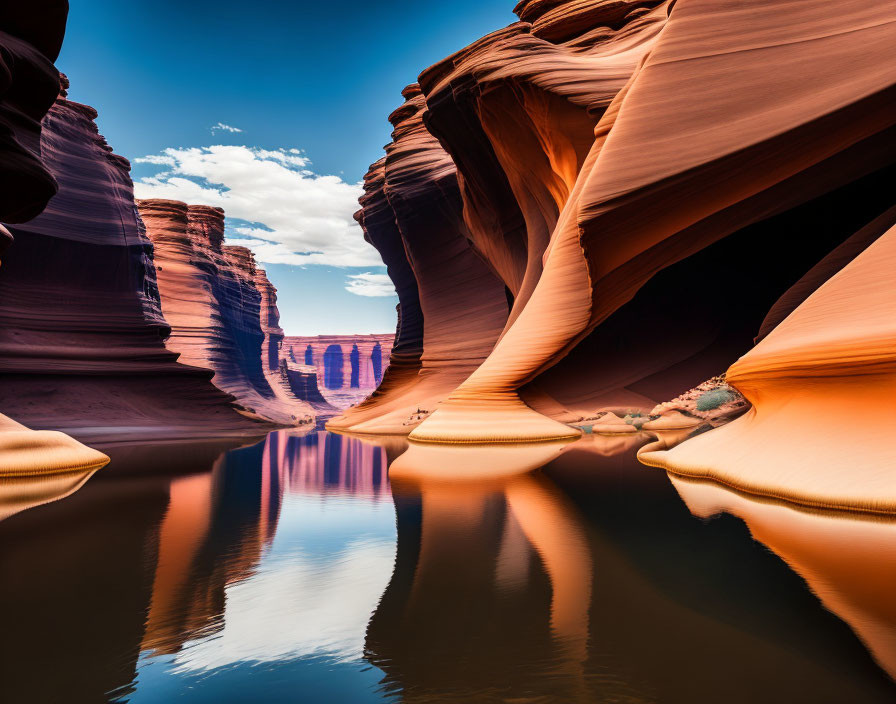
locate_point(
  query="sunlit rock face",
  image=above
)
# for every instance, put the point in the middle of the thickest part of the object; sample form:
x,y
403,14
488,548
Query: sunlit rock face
x,y
643,216
822,385
221,308
81,326
414,196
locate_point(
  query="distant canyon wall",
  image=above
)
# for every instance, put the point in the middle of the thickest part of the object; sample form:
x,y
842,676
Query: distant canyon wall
x,y
221,307
452,305
344,368
645,185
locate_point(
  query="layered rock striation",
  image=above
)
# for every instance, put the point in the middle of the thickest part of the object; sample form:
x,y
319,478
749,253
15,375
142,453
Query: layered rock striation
x,y
414,199
30,40
344,369
221,307
81,326
642,215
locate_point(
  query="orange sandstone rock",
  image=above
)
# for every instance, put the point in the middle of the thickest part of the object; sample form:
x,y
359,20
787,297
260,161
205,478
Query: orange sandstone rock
x,y
822,386
684,182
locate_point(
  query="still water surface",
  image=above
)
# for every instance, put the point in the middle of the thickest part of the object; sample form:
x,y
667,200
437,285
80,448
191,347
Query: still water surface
x,y
293,571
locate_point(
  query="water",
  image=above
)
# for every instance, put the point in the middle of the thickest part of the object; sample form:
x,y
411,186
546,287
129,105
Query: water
x,y
292,571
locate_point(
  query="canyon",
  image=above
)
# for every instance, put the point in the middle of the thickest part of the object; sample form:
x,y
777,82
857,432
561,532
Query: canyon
x,y
581,219
86,353
115,330
639,226
636,413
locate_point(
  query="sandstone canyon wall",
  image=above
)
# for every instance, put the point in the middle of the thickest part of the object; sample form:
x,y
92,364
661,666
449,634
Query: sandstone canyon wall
x,y
221,307
81,326
658,185
642,216
412,211
30,40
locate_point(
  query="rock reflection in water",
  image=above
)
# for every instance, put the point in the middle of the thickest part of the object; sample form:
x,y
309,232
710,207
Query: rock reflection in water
x,y
589,581
848,561
21,493
218,524
280,572
142,559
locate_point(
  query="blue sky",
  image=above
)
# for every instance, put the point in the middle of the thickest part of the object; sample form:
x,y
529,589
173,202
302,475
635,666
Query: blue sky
x,y
307,84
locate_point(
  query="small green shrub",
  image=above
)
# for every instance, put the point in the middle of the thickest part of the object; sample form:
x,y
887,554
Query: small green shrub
x,y
714,399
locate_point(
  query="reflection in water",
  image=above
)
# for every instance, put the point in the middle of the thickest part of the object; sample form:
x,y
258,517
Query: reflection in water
x,y
218,525
849,562
476,545
21,493
472,463
589,581
282,572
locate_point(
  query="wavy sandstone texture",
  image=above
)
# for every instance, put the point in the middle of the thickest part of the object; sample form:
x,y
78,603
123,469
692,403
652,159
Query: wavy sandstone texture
x,y
221,308
81,329
822,385
29,42
413,204
641,214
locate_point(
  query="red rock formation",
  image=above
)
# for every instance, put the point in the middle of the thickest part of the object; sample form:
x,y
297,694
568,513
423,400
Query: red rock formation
x,y
378,223
81,328
302,382
30,40
628,197
220,306
463,302
270,322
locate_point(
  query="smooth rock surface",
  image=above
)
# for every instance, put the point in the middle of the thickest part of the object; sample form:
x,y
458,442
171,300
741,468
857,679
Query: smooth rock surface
x,y
221,307
822,386
642,215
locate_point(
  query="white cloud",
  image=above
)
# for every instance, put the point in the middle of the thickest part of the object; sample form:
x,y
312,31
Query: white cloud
x,y
297,217
329,605
157,159
368,284
314,590
221,127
